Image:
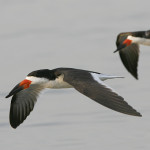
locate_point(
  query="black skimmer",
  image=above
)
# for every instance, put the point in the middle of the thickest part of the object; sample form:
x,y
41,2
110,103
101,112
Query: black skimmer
x,y
86,82
128,47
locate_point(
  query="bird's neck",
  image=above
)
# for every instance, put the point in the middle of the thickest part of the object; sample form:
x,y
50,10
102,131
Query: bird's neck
x,y
139,40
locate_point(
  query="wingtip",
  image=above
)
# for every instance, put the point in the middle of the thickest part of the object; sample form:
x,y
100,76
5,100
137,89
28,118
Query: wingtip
x,y
135,76
138,114
14,127
135,113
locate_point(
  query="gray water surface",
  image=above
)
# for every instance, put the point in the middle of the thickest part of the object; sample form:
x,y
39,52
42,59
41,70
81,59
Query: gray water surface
x,y
37,34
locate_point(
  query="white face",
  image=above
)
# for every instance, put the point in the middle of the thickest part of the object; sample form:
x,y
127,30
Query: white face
x,y
36,80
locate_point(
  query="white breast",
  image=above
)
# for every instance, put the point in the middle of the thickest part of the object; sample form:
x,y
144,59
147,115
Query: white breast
x,y
58,83
139,40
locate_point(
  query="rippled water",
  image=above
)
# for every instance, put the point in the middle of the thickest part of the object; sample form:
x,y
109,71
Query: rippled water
x,y
80,34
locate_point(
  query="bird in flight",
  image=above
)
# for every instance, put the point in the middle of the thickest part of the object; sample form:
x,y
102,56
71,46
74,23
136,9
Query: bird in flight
x,y
128,46
89,83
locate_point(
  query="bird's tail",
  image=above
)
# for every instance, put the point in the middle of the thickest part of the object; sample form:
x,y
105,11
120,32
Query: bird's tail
x,y
105,77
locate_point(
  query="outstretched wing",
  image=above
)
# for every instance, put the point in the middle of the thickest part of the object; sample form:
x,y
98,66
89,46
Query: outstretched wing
x,y
22,104
130,56
89,84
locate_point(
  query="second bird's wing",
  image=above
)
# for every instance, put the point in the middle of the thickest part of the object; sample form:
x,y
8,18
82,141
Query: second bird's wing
x,y
130,56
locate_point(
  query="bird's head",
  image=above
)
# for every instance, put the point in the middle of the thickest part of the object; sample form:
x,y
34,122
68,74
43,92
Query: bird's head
x,y
36,77
125,43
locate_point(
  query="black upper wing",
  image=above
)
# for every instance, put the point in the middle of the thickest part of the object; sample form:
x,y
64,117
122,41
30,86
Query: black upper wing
x,y
130,56
84,82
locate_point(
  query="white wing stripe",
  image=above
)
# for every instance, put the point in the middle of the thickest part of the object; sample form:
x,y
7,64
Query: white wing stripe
x,y
97,79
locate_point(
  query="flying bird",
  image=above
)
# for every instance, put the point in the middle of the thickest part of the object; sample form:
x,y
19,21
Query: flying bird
x,y
128,46
24,95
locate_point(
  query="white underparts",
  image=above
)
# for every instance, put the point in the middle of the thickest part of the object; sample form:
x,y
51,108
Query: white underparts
x,y
139,40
